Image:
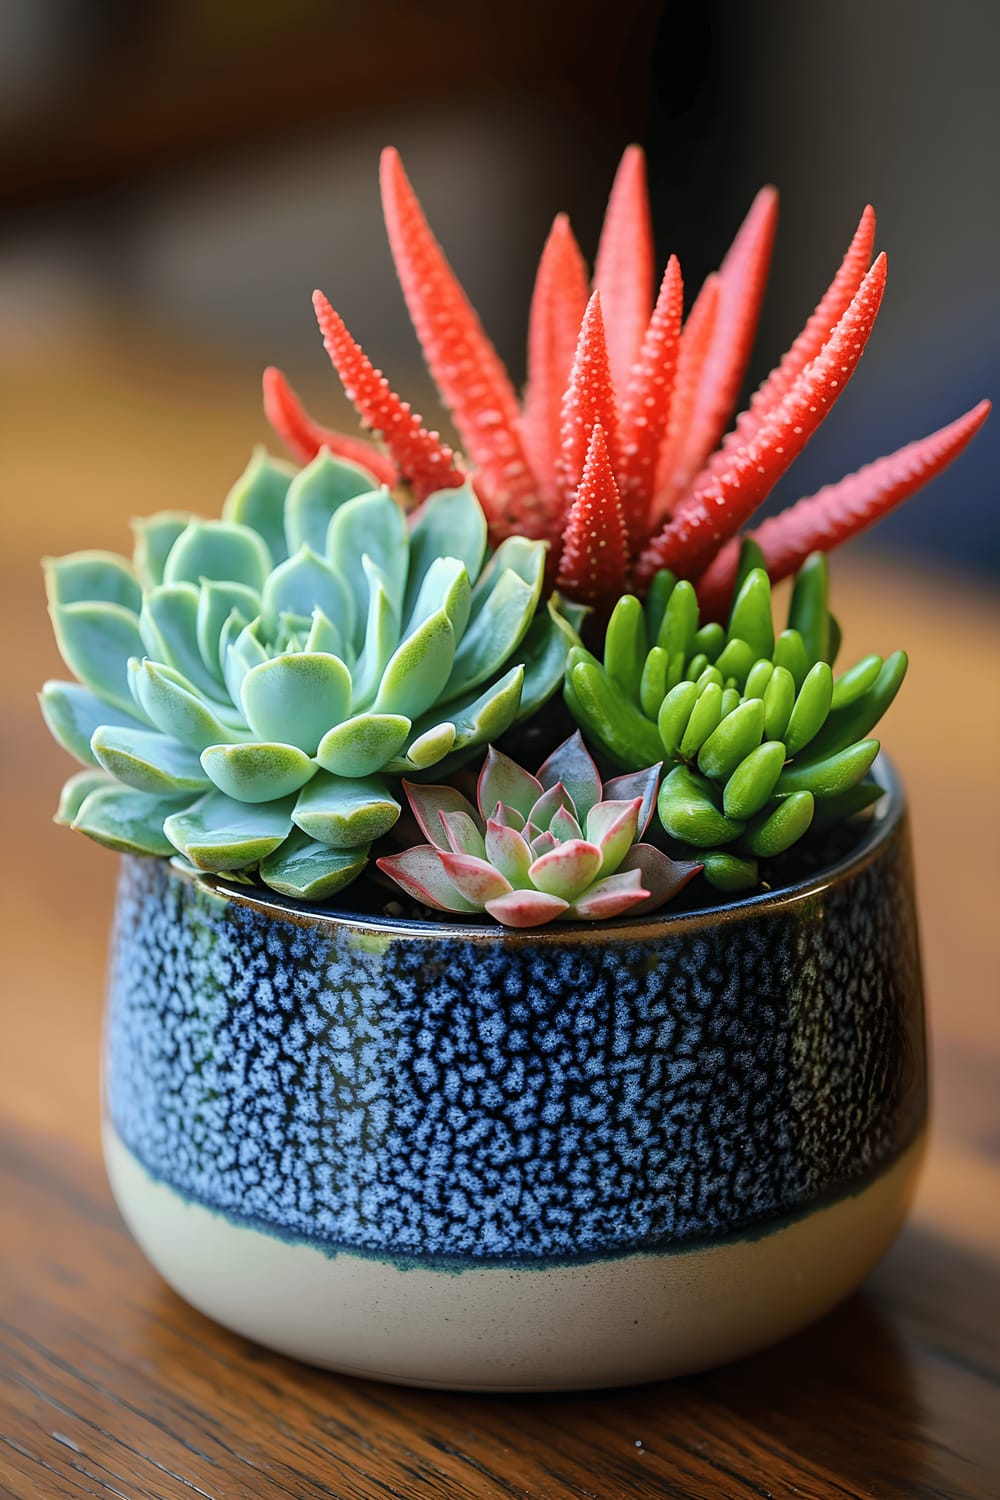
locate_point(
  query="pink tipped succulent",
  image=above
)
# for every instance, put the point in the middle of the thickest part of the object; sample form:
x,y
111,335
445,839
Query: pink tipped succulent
x,y
662,390
537,849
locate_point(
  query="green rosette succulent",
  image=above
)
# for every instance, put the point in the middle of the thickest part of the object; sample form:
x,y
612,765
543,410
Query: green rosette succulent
x,y
763,742
249,687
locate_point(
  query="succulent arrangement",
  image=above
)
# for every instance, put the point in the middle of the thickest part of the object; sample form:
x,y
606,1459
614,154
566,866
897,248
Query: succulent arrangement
x,y
257,693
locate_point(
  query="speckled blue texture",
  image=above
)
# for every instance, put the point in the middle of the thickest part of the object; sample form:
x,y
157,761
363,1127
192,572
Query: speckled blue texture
x,y
411,1093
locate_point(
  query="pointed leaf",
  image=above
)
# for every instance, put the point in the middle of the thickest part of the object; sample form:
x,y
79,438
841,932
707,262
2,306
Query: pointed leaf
x,y
257,500
526,908
175,707
558,304
589,400
345,812
642,784
168,625
623,271
647,403
305,438
371,525
423,459
148,761
473,878
507,851
96,642
418,669
462,833
548,804
503,781
420,873
296,698
363,744
125,820
594,565
75,792
446,586
494,634
308,871
428,803
244,652
221,605
257,773
484,717
221,550
610,897
217,833
464,365
572,764
85,577
72,713
613,826
450,523
303,583
154,537
315,495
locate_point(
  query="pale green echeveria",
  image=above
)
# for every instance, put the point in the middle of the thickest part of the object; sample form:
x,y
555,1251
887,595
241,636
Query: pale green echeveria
x,y
248,688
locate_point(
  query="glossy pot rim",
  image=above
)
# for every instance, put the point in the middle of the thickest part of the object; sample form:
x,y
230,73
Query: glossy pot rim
x,y
884,822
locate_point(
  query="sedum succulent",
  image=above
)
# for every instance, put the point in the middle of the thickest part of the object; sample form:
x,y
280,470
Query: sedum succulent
x,y
762,739
249,686
558,845
620,456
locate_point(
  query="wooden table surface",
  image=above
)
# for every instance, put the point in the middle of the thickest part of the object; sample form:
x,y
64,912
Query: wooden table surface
x,y
111,1386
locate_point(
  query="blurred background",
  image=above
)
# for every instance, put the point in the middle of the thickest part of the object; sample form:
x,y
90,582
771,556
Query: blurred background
x,y
177,176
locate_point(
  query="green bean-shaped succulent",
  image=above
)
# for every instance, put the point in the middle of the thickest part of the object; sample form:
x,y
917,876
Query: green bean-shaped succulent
x,y
764,741
249,687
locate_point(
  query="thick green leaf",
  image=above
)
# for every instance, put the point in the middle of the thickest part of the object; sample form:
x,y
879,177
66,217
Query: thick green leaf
x,y
515,554
125,820
324,636
72,713
302,584
494,633
373,526
429,748
259,772
242,654
477,720
309,871
168,625
297,698
148,761
257,499
314,495
96,642
345,813
450,523
176,708
607,719
221,550
75,792
446,586
418,669
750,619
543,652
222,605
380,640
154,537
217,833
83,577
363,744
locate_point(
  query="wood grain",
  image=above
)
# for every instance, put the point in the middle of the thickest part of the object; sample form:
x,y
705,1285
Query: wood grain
x,y
110,1386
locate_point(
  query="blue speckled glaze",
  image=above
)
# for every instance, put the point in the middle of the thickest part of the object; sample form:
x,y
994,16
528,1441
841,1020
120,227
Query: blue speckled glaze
x,y
428,1093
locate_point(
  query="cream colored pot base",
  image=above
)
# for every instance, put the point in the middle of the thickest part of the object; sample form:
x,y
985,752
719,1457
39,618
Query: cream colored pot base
x,y
615,1322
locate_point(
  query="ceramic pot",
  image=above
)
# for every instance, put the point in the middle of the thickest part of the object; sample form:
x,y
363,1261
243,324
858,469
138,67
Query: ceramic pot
x,y
447,1154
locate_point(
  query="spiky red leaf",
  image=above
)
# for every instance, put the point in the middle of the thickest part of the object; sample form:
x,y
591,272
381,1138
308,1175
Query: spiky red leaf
x,y
594,563
466,368
742,281
558,304
821,323
624,269
589,401
646,407
840,511
692,351
423,458
304,438
718,510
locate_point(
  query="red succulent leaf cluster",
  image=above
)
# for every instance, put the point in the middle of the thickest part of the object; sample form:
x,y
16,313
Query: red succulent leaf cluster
x,y
619,456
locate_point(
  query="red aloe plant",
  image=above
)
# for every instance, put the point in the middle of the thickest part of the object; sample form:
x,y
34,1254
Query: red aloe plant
x,y
661,396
